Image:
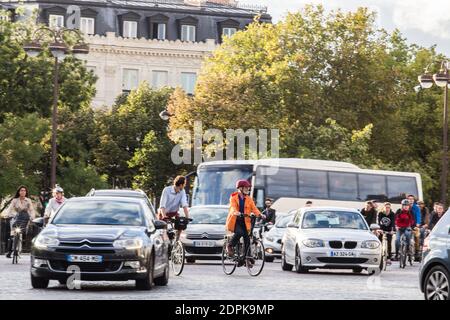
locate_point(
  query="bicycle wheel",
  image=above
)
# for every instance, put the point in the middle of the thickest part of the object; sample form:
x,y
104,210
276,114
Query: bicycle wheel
x,y
256,252
177,258
228,263
384,259
403,256
15,249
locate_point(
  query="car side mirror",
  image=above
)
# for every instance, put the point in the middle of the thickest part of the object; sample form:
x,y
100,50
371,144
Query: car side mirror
x,y
374,226
159,224
292,225
39,222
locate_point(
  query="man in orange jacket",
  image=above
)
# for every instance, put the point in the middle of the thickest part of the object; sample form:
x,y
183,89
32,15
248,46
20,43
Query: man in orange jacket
x,y
240,202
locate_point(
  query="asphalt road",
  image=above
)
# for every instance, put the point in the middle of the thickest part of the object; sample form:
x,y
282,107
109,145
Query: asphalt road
x,y
205,280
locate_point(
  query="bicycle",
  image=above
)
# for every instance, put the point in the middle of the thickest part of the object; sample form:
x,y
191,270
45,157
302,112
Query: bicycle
x,y
176,247
384,250
16,245
406,250
254,252
426,233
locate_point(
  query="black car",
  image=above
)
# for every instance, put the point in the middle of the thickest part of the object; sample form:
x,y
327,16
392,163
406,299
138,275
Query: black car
x,y
102,238
435,267
128,193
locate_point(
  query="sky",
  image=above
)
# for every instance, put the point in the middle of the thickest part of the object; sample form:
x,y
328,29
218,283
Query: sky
x,y
425,22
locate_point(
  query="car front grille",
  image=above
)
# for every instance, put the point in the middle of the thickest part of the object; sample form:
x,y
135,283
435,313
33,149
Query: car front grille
x,y
350,244
84,251
342,260
106,266
208,236
79,244
336,244
204,250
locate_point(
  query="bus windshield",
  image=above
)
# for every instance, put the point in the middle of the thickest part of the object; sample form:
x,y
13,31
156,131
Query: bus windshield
x,y
215,184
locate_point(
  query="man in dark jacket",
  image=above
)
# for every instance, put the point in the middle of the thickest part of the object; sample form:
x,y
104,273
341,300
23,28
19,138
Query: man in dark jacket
x,y
386,220
436,215
269,212
369,213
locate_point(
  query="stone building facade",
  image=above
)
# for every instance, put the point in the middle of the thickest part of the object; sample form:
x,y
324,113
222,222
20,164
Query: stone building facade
x,y
161,41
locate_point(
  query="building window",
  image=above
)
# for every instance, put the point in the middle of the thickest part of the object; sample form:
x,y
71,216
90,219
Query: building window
x,y
159,79
228,32
130,79
55,21
188,80
159,31
87,25
187,33
129,29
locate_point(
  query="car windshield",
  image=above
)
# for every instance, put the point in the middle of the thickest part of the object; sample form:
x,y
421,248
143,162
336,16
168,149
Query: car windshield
x,y
283,221
100,213
333,219
208,215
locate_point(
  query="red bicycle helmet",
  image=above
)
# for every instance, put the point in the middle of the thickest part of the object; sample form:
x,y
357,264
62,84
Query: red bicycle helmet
x,y
243,183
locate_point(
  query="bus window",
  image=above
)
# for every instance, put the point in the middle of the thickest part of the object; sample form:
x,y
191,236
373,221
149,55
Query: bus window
x,y
372,187
282,184
313,184
399,187
343,186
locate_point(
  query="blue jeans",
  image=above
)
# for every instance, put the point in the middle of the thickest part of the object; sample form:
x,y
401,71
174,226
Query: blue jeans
x,y
400,231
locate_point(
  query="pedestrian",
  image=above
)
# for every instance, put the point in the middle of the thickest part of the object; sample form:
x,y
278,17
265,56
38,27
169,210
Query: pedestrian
x,y
20,211
425,217
437,215
386,220
54,203
369,213
308,203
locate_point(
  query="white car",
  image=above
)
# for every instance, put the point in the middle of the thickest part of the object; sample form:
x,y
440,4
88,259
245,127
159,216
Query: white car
x,y
272,238
329,238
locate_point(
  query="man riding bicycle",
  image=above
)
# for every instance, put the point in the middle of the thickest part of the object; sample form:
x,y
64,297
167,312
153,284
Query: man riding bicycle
x,y
238,220
172,198
404,220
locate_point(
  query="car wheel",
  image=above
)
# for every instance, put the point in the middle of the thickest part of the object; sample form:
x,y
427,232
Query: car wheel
x,y
164,279
298,262
437,282
147,282
269,259
357,270
284,265
190,260
39,283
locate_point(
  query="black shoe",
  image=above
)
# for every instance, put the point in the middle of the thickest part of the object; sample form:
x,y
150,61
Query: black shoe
x,y
8,255
240,263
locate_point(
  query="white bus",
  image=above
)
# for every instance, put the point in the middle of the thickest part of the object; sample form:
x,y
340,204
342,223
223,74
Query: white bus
x,y
325,183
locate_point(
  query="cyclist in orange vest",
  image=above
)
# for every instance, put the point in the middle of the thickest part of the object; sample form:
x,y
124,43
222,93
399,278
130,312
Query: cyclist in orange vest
x,y
240,225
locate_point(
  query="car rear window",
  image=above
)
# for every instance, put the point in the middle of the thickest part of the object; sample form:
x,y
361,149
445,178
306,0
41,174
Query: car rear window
x,y
100,213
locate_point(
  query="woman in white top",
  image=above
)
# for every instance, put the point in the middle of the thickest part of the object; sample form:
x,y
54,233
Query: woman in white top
x,y
55,202
21,211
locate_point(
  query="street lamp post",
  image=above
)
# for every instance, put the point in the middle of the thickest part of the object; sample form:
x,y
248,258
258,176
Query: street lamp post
x,y
442,80
59,50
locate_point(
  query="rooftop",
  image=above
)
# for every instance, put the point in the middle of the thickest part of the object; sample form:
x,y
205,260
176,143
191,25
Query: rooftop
x,y
215,6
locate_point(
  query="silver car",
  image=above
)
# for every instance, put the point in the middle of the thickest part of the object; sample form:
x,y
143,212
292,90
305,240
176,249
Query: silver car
x,y
329,238
272,238
204,236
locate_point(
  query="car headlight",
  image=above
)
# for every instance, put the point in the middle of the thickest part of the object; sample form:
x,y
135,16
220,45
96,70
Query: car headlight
x,y
43,242
129,244
313,243
370,244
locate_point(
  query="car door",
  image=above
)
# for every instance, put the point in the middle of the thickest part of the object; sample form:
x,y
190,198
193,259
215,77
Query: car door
x,y
290,237
156,237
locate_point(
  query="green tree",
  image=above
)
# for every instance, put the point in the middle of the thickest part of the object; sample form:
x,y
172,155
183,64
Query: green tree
x,y
26,84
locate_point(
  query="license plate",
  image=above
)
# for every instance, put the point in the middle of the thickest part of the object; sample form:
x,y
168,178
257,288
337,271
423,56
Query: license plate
x,y
84,258
204,244
343,254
